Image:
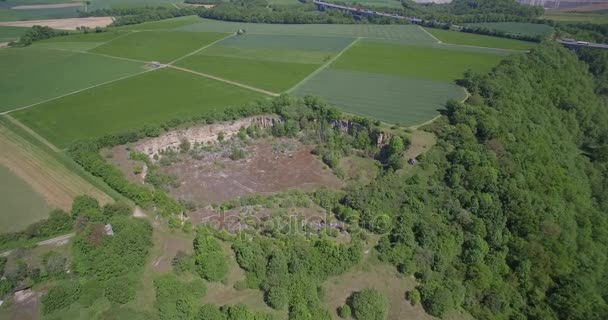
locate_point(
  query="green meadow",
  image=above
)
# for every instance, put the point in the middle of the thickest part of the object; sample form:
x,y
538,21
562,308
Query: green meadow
x,y
529,29
153,97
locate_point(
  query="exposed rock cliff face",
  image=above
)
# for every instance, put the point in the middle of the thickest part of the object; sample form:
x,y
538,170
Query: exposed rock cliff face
x,y
202,134
382,138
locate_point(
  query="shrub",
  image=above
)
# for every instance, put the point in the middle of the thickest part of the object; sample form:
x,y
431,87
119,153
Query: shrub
x,y
277,298
60,296
120,290
413,296
237,154
344,312
369,304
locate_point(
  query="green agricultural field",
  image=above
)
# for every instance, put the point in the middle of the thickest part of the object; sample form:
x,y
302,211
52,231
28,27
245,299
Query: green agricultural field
x,y
80,41
32,75
469,39
274,63
116,4
163,46
154,97
393,99
7,14
268,75
409,34
21,205
417,62
8,34
577,17
529,29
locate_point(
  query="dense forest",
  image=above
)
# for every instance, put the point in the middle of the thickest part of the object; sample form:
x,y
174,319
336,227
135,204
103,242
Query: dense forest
x,y
507,218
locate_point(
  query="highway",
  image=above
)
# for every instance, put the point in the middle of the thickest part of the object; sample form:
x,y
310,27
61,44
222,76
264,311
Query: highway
x,y
321,5
582,44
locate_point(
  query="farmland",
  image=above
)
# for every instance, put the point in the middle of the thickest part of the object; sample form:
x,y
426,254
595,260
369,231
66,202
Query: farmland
x,y
152,45
529,29
273,63
102,110
24,69
34,180
469,39
577,17
21,205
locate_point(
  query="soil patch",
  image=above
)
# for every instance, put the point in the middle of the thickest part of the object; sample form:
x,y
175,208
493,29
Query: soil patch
x,y
264,171
47,6
63,24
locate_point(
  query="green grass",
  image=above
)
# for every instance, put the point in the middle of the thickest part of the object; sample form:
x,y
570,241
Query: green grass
x,y
529,29
393,99
79,41
21,205
289,42
266,54
163,46
469,39
11,33
403,33
268,75
32,75
106,4
416,62
153,97
577,17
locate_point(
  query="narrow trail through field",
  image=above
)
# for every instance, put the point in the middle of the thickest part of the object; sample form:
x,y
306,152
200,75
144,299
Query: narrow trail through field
x,y
100,55
266,92
324,66
200,49
45,242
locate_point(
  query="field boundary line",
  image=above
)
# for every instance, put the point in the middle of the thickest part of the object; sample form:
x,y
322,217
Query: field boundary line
x,y
32,132
324,66
200,49
100,55
430,35
238,84
75,92
466,96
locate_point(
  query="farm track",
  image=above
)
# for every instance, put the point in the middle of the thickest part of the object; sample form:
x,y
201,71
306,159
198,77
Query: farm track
x,y
325,65
46,175
266,92
44,242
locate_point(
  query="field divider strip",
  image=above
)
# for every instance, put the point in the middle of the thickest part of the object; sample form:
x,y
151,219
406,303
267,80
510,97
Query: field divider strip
x,y
324,66
238,84
430,35
31,132
200,49
100,55
75,92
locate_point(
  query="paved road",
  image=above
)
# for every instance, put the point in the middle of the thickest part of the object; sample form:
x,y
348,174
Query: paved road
x,y
579,44
43,243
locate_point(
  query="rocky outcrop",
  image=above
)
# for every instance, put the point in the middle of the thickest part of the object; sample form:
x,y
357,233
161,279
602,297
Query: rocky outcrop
x,y
201,134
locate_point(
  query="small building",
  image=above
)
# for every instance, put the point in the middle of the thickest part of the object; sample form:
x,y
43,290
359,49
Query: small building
x,y
108,229
154,64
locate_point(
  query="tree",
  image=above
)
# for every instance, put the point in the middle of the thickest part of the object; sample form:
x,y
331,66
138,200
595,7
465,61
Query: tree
x,y
277,298
210,259
369,304
83,203
211,312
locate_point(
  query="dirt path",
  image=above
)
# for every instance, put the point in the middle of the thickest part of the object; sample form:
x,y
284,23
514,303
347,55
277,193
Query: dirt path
x,y
47,6
30,131
56,240
266,92
63,24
